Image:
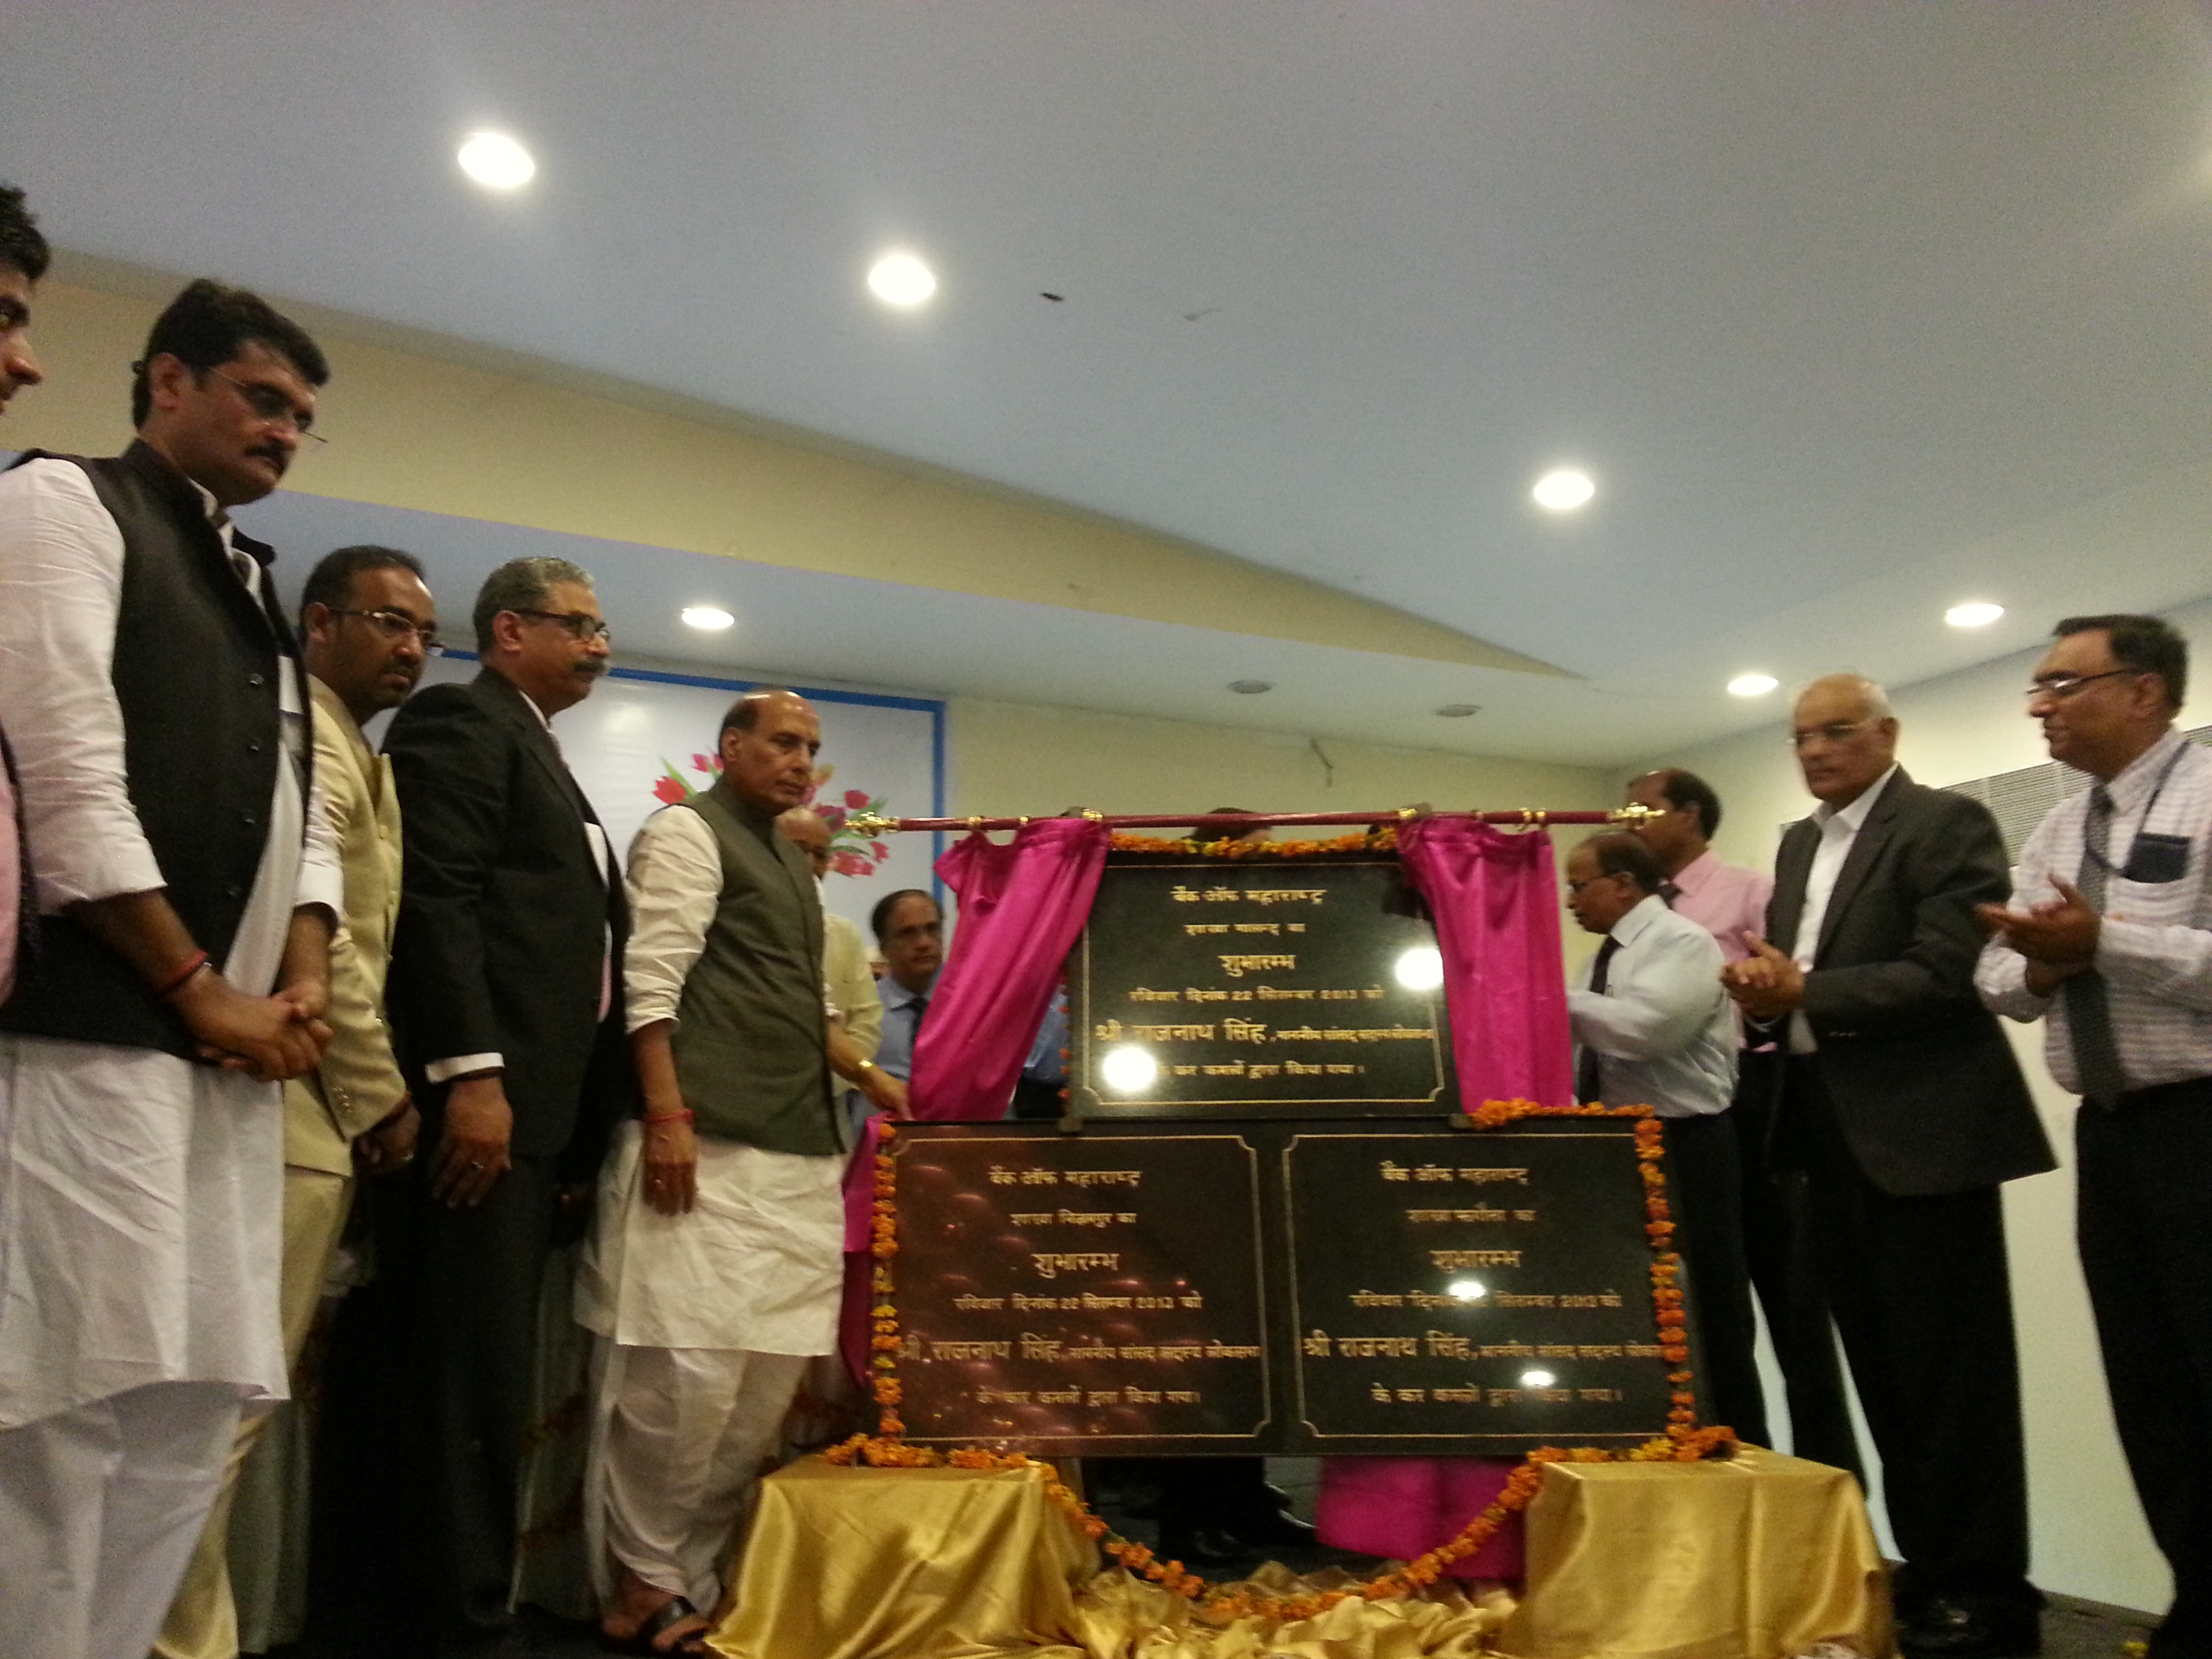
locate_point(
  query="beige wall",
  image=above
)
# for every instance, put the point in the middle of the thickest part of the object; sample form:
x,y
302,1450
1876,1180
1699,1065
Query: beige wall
x,y
2089,1536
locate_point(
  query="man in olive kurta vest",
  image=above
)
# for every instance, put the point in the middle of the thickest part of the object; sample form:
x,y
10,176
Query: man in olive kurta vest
x,y
715,1270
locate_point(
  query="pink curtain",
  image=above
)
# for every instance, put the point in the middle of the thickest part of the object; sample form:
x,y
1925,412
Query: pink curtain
x,y
1497,906
1022,907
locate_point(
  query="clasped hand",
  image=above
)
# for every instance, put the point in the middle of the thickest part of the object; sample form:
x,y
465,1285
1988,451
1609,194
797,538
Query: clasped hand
x,y
2058,938
1766,984
272,1038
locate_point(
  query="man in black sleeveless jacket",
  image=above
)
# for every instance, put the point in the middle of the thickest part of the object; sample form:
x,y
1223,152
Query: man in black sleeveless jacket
x,y
185,888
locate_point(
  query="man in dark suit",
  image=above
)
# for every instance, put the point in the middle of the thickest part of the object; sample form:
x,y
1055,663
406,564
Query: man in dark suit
x,y
1904,1105
509,1014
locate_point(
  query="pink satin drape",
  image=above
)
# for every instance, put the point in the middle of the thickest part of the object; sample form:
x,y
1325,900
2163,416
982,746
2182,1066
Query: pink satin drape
x,y
1022,907
1496,902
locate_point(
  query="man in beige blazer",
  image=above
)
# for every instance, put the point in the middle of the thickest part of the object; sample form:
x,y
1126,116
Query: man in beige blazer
x,y
366,625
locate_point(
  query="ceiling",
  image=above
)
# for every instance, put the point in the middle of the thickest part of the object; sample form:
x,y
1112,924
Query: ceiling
x,y
1854,312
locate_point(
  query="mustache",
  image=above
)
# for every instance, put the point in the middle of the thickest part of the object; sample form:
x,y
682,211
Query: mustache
x,y
592,668
275,456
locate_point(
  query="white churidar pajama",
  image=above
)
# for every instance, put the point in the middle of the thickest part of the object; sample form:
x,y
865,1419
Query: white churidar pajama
x,y
706,1320
140,1193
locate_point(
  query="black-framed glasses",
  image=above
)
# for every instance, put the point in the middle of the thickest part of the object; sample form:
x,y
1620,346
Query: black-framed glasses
x,y
1833,731
395,626
269,404
580,625
2059,687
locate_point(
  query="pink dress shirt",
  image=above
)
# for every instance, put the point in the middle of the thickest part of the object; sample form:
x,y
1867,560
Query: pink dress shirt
x,y
1726,900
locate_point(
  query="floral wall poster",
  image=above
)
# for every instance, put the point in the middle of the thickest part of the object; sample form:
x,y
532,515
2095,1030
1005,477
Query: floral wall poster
x,y
643,740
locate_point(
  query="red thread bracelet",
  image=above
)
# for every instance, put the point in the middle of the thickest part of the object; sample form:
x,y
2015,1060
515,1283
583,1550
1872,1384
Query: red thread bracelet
x,y
683,1116
176,982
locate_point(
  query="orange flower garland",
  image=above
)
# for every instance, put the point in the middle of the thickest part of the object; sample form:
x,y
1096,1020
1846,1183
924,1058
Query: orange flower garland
x,y
1683,1442
1382,840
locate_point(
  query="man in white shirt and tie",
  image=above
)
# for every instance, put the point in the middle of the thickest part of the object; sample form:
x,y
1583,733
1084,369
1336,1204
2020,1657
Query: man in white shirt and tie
x,y
1652,1028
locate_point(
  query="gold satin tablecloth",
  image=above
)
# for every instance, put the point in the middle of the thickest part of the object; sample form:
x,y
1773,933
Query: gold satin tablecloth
x,y
1760,1559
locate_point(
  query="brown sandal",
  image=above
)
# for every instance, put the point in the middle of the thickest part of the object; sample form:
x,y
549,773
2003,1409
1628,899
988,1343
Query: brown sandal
x,y
674,1610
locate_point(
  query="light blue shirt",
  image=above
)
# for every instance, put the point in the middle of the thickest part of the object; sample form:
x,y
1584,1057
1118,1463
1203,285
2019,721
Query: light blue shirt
x,y
902,1018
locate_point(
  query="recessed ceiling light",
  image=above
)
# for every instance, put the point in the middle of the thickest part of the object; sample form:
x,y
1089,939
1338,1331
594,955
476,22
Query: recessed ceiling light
x,y
1751,685
1563,490
900,279
1460,711
1250,688
1979,614
711,617
496,159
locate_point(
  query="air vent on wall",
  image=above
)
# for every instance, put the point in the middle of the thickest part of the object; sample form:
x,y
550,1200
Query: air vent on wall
x,y
2020,798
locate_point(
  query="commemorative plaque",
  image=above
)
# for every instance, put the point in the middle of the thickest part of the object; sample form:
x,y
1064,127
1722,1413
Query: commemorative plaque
x,y
1279,1287
1264,1225
1234,987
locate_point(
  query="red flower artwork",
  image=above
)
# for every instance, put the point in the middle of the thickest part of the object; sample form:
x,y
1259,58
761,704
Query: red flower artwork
x,y
851,854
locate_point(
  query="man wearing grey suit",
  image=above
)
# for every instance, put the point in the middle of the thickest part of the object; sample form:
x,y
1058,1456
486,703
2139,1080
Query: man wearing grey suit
x,y
1904,1105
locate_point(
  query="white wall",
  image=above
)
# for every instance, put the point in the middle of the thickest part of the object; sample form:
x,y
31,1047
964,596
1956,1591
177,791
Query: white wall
x,y
2089,1536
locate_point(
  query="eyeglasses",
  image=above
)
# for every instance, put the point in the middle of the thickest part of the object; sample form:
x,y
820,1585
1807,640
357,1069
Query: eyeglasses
x,y
395,626
580,625
2059,687
1575,888
1833,731
269,404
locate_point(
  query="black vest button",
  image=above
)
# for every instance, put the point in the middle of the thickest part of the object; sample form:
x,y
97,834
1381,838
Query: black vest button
x,y
233,892
246,818
253,748
256,681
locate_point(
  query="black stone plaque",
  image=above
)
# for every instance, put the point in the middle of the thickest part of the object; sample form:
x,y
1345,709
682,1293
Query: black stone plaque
x,y
1063,1294
1279,1285
1478,1287
1257,987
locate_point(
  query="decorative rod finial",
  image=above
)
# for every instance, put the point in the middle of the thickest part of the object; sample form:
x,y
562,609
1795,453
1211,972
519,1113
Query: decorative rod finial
x,y
1633,814
870,823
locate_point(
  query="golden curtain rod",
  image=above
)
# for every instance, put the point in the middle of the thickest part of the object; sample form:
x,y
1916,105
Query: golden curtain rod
x,y
869,824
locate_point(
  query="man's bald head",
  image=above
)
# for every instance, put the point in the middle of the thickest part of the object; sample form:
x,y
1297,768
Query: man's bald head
x,y
1845,737
769,740
806,829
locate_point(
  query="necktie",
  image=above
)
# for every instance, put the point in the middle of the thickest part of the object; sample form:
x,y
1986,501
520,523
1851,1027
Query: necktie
x,y
2089,1010
918,1007
1589,1079
1670,892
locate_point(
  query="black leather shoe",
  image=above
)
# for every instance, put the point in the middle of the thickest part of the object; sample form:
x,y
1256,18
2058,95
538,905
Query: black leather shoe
x,y
1944,1627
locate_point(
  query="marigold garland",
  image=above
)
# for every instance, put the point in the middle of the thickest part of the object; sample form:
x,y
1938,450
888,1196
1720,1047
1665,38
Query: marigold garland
x,y
1383,839
1683,1442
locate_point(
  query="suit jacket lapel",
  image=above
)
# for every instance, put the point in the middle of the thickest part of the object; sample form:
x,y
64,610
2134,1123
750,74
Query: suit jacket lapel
x,y
1866,847
538,738
1793,863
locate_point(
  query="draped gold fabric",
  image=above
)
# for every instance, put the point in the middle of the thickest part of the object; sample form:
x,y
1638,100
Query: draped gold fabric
x,y
1760,1559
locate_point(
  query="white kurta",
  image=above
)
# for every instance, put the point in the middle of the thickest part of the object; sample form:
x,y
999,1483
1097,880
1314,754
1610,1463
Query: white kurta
x,y
140,1193
758,1262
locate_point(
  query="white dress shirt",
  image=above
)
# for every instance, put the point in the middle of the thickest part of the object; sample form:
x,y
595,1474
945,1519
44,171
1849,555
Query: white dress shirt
x,y
1663,1030
2154,948
139,1239
1839,830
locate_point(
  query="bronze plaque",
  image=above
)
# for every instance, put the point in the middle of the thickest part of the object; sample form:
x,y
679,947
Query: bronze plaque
x,y
1257,987
1101,1293
1280,1284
